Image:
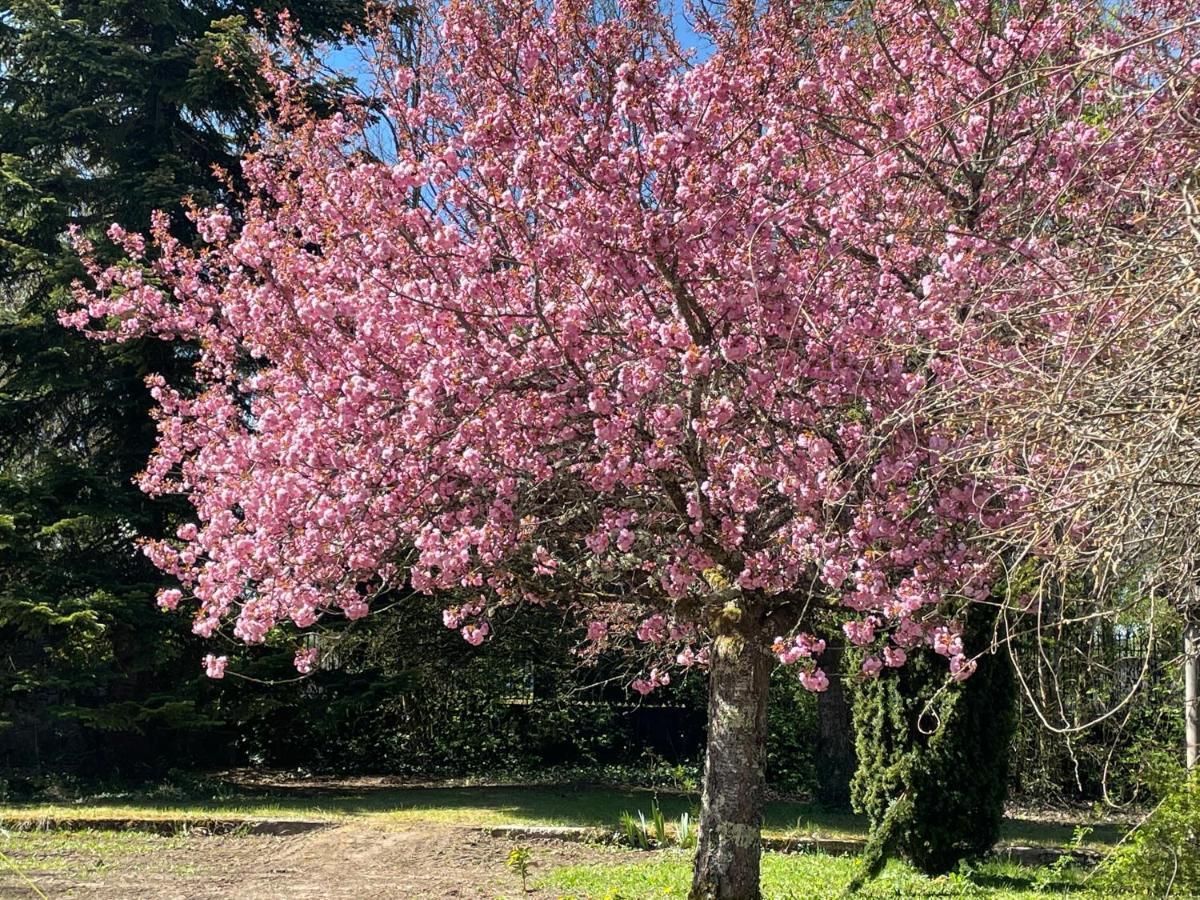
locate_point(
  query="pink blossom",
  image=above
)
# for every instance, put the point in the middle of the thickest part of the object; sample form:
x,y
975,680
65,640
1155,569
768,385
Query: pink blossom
x,y
653,680
802,646
871,666
304,616
653,630
597,541
205,626
474,634
214,666
306,660
860,631
946,641
909,634
546,564
355,609
962,668
894,657
169,599
816,680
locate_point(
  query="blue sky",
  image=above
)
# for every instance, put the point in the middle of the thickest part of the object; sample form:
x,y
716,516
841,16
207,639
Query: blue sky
x,y
347,59
683,30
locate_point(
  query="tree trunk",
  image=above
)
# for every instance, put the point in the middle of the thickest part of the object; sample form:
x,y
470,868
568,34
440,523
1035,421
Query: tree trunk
x,y
836,760
1191,686
730,844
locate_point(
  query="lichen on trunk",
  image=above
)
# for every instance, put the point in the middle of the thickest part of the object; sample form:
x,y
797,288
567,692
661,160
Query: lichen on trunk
x,y
730,845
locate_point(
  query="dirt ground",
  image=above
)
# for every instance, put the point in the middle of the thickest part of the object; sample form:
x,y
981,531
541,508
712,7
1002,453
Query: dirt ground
x,y
343,861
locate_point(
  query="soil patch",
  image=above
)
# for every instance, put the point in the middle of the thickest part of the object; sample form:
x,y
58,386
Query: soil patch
x,y
340,861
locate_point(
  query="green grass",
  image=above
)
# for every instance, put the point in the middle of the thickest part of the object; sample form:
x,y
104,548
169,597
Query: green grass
x,y
664,874
809,877
586,805
80,854
61,851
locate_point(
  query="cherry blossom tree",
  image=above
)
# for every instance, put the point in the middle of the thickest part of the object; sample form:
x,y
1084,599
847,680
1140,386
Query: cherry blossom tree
x,y
648,333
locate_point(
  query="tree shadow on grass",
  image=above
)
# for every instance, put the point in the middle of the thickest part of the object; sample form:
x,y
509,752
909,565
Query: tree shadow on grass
x,y
580,804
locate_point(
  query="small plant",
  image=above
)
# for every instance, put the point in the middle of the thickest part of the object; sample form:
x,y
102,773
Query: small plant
x,y
645,834
685,832
659,822
635,831
520,860
684,777
960,884
1050,878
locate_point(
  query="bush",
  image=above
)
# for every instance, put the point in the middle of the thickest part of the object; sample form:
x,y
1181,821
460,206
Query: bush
x,y
1161,858
402,695
933,757
791,734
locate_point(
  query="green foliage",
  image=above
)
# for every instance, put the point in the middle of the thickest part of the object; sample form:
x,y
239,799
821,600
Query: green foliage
x,y
633,828
643,834
108,110
1055,872
1080,668
933,757
520,861
659,822
1084,671
791,734
1161,857
404,695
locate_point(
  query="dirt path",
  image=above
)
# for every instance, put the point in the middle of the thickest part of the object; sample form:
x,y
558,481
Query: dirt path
x,y
345,861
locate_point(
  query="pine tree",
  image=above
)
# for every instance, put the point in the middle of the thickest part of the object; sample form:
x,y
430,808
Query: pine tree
x,y
109,109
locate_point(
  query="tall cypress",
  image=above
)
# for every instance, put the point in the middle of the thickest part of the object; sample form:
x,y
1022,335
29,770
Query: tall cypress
x,y
933,755
109,109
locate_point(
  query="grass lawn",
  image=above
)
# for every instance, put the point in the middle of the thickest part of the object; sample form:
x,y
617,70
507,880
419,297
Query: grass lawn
x,y
160,866
810,877
587,805
58,851
28,858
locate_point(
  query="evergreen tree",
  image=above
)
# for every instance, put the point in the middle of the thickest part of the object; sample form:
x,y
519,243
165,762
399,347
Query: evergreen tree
x,y
109,109
933,755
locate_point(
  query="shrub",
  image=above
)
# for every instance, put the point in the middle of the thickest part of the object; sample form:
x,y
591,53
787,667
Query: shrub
x,y
933,757
405,696
791,735
1161,857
